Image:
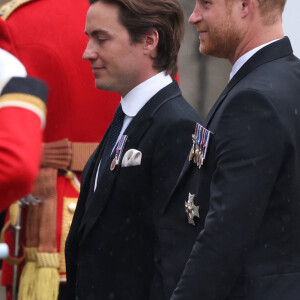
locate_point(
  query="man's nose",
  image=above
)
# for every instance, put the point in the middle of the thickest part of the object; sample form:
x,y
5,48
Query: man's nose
x,y
89,53
196,16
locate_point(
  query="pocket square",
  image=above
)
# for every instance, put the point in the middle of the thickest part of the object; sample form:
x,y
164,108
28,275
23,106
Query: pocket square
x,y
132,157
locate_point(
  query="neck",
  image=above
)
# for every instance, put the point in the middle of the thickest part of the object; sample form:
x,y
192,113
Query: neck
x,y
144,77
255,36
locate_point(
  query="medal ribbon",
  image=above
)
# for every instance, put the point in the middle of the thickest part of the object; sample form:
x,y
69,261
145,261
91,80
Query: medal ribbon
x,y
120,148
197,129
201,140
207,136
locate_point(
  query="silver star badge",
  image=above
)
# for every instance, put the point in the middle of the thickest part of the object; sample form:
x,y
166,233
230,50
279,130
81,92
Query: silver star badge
x,y
191,209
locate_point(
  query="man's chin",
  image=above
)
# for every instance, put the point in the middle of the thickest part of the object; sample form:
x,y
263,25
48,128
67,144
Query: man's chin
x,y
211,51
99,84
204,50
103,86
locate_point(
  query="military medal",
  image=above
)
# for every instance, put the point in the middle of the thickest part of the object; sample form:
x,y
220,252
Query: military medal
x,y
119,150
191,209
192,152
200,142
194,138
196,154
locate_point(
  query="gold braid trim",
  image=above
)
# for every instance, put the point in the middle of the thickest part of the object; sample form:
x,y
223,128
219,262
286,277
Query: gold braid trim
x,y
8,8
24,99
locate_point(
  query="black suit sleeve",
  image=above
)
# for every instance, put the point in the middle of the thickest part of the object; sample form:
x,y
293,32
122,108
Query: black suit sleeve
x,y
249,150
170,222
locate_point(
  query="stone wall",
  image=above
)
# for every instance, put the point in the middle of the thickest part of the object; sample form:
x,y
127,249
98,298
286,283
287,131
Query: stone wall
x,y
202,78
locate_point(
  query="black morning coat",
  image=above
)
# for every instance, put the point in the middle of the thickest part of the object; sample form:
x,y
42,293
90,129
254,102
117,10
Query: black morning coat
x,y
127,245
250,185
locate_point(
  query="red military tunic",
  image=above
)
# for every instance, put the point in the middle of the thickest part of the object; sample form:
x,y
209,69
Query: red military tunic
x,y
47,36
22,116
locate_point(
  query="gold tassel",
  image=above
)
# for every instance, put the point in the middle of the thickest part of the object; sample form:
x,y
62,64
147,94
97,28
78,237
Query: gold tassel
x,y
28,276
47,285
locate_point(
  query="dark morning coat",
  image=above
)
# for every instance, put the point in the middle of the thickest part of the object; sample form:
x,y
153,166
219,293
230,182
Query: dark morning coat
x,y
250,180
126,246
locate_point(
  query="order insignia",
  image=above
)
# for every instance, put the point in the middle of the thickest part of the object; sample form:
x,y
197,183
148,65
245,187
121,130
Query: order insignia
x,y
191,209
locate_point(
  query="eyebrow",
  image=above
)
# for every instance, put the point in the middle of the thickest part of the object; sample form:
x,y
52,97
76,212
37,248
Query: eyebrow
x,y
97,32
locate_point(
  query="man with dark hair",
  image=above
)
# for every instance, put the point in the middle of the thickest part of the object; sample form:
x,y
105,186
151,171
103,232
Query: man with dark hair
x,y
45,36
124,241
140,17
249,247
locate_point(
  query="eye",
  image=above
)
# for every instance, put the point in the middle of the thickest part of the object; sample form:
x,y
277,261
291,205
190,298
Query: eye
x,y
101,40
206,3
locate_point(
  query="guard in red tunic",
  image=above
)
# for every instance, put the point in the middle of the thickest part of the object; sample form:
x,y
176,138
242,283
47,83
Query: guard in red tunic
x,y
22,117
47,36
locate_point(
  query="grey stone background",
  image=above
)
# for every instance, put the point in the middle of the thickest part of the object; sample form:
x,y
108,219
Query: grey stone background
x,y
202,78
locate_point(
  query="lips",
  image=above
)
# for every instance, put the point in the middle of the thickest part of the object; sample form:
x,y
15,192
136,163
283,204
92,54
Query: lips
x,y
97,68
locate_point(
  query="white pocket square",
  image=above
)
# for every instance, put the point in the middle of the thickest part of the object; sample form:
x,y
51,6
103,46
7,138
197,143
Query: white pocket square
x,y
132,158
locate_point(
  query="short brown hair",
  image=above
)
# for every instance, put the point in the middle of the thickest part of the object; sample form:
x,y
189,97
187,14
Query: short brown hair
x,y
271,10
166,16
272,4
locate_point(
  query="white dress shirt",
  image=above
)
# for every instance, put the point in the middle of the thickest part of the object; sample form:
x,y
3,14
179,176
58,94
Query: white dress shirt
x,y
135,100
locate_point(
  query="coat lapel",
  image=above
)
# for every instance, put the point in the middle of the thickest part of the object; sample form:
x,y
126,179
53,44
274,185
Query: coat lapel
x,y
269,53
88,174
135,132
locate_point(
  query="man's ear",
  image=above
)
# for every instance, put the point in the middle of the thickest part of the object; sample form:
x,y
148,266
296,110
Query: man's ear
x,y
247,6
150,42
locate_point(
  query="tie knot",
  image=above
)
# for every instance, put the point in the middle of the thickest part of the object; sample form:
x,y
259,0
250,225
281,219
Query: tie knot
x,y
115,127
119,114
117,123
